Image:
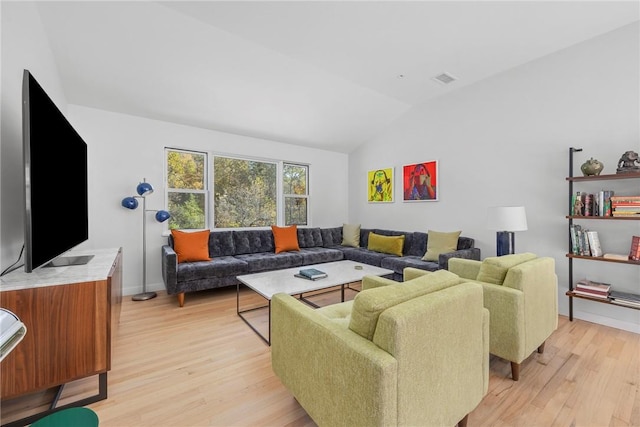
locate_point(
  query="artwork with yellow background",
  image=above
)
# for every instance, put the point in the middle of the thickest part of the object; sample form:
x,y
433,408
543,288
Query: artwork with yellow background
x,y
380,185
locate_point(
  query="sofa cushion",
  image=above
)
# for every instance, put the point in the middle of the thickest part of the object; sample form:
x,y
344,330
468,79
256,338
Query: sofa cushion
x,y
285,238
309,237
440,242
398,264
191,246
494,269
369,304
386,244
253,241
320,255
218,267
267,261
351,235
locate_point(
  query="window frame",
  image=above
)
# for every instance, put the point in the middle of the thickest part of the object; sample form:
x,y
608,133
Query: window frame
x,y
209,190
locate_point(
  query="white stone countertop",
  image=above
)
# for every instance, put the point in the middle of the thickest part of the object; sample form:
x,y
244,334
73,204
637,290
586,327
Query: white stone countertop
x,y
96,269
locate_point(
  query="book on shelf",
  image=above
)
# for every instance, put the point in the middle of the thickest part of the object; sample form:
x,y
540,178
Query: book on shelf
x,y
604,202
619,257
594,243
634,252
626,303
590,294
625,296
312,273
592,285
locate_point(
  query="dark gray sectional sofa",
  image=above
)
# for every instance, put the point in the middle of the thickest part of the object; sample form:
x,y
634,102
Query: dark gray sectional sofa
x,y
238,252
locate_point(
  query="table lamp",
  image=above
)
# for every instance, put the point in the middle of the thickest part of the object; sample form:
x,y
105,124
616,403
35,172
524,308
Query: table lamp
x,y
505,220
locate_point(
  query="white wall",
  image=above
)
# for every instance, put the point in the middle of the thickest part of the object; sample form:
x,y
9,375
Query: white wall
x,y
24,46
505,141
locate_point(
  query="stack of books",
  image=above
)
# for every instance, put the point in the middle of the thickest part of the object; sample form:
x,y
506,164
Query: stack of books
x,y
311,274
625,298
592,289
585,242
625,206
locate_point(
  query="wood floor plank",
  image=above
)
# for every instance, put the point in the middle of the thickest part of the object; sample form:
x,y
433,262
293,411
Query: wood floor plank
x,y
201,365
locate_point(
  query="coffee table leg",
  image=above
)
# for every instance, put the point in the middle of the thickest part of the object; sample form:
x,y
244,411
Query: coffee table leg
x,y
240,314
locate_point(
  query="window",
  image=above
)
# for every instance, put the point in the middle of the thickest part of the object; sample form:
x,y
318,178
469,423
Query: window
x,y
296,193
187,193
246,192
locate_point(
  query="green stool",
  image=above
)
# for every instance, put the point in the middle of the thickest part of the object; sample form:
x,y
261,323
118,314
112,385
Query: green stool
x,y
71,417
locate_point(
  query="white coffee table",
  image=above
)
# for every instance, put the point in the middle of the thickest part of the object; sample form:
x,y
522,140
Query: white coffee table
x,y
269,283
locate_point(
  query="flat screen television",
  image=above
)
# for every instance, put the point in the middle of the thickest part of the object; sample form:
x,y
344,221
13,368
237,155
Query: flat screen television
x,y
55,181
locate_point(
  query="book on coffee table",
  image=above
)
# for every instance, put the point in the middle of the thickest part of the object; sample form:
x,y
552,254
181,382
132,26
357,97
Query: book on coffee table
x,y
312,273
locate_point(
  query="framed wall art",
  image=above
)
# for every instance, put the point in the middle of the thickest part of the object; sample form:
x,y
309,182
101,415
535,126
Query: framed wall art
x,y
380,185
420,182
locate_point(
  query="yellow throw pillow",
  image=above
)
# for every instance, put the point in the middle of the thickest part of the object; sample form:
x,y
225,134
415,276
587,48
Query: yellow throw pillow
x,y
440,243
285,238
351,235
191,245
386,244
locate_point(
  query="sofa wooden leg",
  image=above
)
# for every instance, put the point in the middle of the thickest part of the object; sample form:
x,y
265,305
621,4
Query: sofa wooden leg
x,y
463,422
515,371
181,299
541,348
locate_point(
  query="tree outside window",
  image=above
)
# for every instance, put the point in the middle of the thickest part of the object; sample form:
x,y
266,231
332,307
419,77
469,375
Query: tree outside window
x,y
295,189
186,188
245,192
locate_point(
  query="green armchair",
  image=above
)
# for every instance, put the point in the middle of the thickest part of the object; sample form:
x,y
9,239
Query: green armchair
x,y
521,294
411,353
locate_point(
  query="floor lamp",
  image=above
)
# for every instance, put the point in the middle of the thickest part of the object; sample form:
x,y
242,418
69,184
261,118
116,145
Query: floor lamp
x,y
144,189
505,220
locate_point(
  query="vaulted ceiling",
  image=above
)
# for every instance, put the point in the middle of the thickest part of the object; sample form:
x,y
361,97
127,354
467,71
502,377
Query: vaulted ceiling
x,y
325,74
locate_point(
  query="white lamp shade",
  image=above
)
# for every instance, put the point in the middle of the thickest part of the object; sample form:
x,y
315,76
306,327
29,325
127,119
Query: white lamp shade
x,y
507,218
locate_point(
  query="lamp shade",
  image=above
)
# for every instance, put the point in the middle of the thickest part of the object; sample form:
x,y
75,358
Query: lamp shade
x,y
129,203
507,218
162,216
144,189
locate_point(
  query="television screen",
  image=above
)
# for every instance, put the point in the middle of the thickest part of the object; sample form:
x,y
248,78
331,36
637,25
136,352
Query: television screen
x,y
55,175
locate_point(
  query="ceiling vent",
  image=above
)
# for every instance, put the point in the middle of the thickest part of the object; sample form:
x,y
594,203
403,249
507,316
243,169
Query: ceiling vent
x,y
445,78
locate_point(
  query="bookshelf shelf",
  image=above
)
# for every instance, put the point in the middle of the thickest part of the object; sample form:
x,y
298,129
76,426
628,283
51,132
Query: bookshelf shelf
x,y
571,218
606,218
599,258
571,294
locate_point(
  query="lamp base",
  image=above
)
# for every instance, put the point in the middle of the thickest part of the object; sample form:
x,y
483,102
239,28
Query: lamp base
x,y
505,243
144,296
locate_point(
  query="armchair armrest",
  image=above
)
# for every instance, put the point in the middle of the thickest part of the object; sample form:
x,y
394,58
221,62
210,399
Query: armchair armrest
x,y
410,273
473,253
370,282
313,356
170,269
465,268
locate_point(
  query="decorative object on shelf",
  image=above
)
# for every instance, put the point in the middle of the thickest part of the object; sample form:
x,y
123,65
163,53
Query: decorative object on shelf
x,y
506,220
591,167
627,162
380,186
420,182
144,189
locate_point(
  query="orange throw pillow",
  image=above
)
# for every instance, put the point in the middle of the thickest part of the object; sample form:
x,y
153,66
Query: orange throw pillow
x,y
191,246
285,238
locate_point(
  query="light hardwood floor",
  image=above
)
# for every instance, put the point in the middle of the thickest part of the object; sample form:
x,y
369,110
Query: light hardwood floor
x,y
201,365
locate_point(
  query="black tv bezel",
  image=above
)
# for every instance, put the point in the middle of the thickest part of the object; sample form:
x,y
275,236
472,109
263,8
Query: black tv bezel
x,y
46,249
